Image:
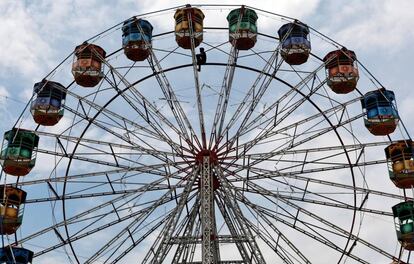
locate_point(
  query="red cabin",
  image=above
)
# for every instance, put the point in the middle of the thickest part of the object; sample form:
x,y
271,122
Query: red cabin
x,y
342,71
87,66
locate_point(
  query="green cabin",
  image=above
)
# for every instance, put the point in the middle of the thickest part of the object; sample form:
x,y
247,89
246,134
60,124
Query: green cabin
x,y
404,220
18,153
242,28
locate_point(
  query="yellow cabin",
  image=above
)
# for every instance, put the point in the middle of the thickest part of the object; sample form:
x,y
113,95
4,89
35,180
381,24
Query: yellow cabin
x,y
11,209
188,22
400,159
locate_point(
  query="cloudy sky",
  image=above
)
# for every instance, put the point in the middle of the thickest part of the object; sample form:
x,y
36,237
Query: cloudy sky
x,y
37,35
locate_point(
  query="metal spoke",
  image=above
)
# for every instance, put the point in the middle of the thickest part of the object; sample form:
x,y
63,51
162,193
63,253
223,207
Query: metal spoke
x,y
171,97
231,203
197,82
148,211
274,244
250,93
224,95
95,194
169,227
156,169
297,87
292,144
233,231
83,102
182,250
150,113
136,243
137,149
138,191
326,242
264,173
336,204
100,162
324,221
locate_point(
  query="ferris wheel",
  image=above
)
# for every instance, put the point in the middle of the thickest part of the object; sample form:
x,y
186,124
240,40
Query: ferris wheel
x,y
213,134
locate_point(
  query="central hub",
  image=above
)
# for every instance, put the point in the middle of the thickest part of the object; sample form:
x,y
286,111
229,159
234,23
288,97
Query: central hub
x,y
213,160
206,153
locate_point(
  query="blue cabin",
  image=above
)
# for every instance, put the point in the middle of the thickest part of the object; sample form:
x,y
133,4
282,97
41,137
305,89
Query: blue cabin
x,y
46,107
136,43
296,45
381,113
15,255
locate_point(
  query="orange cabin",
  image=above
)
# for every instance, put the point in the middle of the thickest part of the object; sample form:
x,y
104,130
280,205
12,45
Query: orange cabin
x,y
342,71
400,159
87,66
11,209
188,25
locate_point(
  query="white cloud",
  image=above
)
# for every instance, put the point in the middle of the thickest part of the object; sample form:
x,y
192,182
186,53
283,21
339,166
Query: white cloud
x,y
370,25
23,49
3,92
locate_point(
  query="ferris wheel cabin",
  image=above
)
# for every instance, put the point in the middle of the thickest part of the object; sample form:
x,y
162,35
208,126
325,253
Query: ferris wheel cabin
x,y
11,209
404,223
400,159
381,114
296,46
341,70
46,107
136,39
15,255
242,28
188,22
18,154
87,65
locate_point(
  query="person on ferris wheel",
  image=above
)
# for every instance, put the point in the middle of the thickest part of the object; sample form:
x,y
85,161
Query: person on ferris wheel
x,y
201,58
